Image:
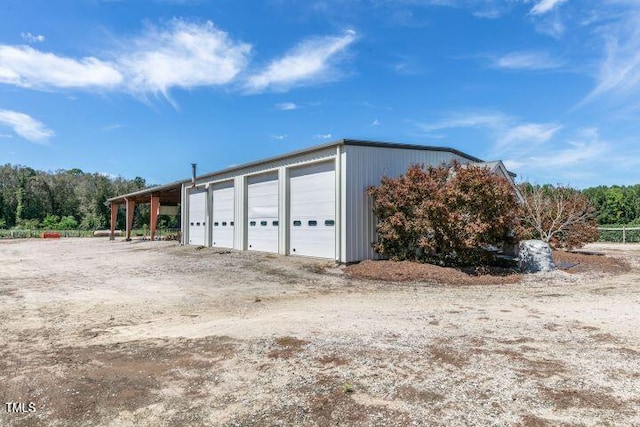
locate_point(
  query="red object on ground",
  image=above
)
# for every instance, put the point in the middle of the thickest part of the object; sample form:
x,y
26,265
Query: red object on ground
x,y
50,235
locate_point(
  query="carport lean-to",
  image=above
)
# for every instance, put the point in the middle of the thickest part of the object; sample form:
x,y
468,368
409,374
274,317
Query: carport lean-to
x,y
163,199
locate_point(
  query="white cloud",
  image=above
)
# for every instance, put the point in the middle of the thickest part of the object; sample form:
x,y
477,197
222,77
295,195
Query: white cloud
x,y
546,152
279,137
552,26
286,106
489,13
5,135
512,164
32,38
407,66
527,60
109,128
509,134
376,122
323,136
180,54
25,126
184,55
545,6
311,62
27,67
530,133
467,120
580,157
619,70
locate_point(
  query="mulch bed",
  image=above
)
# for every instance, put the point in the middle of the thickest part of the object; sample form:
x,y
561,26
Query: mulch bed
x,y
407,271
591,262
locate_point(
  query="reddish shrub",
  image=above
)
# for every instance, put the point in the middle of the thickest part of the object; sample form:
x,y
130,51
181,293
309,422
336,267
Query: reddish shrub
x,y
443,215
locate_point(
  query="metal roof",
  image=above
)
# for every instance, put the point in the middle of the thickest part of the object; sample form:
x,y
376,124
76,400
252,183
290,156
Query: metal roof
x,y
357,142
143,194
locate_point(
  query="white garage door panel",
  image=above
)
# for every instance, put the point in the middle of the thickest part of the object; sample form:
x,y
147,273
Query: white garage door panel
x,y
223,215
262,213
197,215
312,207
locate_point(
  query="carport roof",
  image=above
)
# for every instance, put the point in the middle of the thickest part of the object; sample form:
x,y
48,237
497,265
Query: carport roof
x,y
169,194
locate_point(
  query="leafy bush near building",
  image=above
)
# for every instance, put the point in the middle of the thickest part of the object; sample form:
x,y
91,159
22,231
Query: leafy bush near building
x,y
444,215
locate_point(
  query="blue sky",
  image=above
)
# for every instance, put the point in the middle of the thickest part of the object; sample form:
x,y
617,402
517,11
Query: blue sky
x,y
144,88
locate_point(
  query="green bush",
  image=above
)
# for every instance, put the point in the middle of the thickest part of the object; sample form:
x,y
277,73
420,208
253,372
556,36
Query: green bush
x,y
67,223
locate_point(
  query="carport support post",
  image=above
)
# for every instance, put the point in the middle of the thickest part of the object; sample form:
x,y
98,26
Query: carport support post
x,y
114,219
131,204
155,208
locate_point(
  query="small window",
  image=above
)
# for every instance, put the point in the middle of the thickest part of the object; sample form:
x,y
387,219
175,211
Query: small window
x,y
191,223
215,224
231,223
313,223
224,223
274,223
329,223
263,223
297,223
198,224
203,224
252,223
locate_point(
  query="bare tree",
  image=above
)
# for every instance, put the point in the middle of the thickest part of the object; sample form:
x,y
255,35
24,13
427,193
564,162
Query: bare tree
x,y
560,216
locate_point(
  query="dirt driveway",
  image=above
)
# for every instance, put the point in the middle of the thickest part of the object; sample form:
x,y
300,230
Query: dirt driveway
x,y
154,334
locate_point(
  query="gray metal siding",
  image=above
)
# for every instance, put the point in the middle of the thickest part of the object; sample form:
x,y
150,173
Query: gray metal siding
x,y
328,153
365,167
341,204
240,213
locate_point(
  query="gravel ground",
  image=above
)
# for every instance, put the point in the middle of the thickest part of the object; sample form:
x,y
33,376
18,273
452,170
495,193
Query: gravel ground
x,y
154,334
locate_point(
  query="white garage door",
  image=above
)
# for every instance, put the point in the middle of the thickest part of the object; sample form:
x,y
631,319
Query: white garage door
x,y
197,210
313,207
222,227
262,213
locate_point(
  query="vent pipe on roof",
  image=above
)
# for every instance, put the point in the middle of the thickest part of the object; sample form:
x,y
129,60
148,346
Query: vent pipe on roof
x,y
193,174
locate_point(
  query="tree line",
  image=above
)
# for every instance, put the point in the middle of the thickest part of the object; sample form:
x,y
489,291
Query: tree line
x,y
69,199
63,199
615,204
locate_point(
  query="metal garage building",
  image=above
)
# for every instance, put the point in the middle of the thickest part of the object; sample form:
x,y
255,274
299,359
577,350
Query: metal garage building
x,y
311,202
